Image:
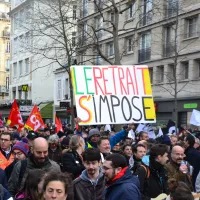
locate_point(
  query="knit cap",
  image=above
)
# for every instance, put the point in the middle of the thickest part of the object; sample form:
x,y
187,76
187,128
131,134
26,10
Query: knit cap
x,y
21,146
92,132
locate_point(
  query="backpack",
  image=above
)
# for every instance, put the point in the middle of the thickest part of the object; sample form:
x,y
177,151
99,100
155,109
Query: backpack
x,y
1,192
147,170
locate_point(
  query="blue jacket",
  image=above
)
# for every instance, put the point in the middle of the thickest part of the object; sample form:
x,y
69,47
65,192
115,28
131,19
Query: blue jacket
x,y
125,188
113,139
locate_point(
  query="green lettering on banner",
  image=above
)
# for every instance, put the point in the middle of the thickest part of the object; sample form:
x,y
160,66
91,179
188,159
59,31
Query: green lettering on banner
x,y
75,82
87,79
190,105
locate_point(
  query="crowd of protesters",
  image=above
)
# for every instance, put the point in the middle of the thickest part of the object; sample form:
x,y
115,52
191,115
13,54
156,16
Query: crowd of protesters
x,y
94,163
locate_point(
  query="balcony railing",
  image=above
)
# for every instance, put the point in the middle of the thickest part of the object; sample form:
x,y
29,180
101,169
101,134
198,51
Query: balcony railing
x,y
168,49
144,55
145,19
171,10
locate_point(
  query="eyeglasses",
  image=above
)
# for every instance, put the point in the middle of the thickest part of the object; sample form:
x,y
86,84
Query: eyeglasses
x,y
4,140
17,153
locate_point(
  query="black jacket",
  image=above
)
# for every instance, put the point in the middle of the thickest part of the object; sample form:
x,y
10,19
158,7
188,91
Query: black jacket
x,y
84,189
193,157
156,183
72,163
9,169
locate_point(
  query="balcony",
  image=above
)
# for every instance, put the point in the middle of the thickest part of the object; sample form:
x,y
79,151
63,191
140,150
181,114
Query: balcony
x,y
3,15
168,49
145,19
144,55
171,10
6,34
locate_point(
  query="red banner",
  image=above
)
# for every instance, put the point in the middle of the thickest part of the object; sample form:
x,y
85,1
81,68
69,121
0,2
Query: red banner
x,y
35,121
58,125
15,118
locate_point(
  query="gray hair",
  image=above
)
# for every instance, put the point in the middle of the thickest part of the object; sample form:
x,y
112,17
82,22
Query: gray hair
x,y
53,138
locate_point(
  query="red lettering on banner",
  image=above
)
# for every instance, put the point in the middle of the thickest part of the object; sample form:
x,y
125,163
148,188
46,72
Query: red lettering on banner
x,y
121,77
105,80
129,81
96,82
113,76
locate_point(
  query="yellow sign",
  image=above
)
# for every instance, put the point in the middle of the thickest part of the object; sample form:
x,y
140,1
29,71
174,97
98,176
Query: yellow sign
x,y
25,88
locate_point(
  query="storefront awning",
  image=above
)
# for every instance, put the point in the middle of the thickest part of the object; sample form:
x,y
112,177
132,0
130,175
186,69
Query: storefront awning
x,y
46,110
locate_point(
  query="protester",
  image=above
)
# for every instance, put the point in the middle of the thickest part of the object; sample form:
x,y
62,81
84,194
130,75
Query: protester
x,y
15,138
55,186
20,151
121,184
4,194
192,156
37,160
55,151
179,191
173,139
143,135
90,185
176,170
104,146
153,179
30,190
127,152
3,178
6,156
139,152
72,159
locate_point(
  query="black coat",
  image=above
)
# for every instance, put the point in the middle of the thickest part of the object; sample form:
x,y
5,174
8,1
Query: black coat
x,y
72,163
156,183
86,190
193,157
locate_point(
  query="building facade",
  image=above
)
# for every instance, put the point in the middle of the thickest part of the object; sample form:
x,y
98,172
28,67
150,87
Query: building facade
x,y
161,34
4,49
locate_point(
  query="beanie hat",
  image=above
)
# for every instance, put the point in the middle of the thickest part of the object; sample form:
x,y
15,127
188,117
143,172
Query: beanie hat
x,y
21,146
92,132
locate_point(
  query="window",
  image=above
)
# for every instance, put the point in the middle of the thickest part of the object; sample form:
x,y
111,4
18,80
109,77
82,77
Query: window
x,y
185,70
27,41
151,74
172,8
74,12
160,74
15,46
59,85
20,94
20,67
66,89
129,43
73,39
192,27
21,18
99,25
146,16
14,94
145,47
110,49
169,41
170,73
14,69
131,11
25,95
26,65
7,65
145,40
8,47
16,21
98,60
85,8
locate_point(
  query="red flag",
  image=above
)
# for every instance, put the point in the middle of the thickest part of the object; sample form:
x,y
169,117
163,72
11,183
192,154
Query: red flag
x,y
15,118
34,121
58,125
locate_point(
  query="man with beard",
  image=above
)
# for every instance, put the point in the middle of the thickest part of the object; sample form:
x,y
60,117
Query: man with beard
x,y
121,183
20,152
90,185
37,160
176,170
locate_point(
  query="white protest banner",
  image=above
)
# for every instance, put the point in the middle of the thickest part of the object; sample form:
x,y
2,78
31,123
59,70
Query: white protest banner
x,y
195,118
113,94
146,128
